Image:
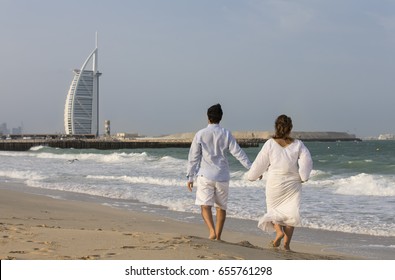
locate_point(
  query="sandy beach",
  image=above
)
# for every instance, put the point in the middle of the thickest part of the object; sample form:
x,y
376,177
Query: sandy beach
x,y
37,227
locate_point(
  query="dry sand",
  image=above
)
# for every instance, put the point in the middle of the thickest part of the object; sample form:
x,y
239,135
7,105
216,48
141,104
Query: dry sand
x,y
35,227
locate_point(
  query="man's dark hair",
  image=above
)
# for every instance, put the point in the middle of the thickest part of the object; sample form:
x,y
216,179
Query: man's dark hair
x,y
214,113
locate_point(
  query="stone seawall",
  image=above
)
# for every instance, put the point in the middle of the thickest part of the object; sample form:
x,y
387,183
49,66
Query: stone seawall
x,y
24,145
245,140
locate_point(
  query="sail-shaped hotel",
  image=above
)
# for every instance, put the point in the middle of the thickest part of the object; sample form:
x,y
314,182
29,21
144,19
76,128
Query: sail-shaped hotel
x,y
81,112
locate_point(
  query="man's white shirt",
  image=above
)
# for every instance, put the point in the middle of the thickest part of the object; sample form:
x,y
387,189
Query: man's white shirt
x,y
207,155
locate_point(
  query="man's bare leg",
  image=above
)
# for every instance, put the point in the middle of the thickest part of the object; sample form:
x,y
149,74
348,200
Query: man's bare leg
x,y
208,219
288,230
221,216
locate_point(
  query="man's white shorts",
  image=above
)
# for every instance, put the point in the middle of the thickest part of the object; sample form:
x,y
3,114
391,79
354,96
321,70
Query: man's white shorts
x,y
212,193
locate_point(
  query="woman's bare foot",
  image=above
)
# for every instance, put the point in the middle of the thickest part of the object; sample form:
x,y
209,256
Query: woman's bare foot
x,y
277,241
287,248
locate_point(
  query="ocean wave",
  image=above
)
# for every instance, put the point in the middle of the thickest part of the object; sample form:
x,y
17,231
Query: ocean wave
x,y
375,230
76,188
366,184
12,154
244,183
380,246
42,152
359,184
169,159
37,148
140,180
105,158
179,201
22,175
317,175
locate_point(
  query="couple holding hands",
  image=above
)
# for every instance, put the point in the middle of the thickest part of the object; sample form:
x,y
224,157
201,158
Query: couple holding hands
x,y
287,162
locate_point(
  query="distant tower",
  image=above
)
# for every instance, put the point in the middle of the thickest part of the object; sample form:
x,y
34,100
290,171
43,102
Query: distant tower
x,y
107,130
81,111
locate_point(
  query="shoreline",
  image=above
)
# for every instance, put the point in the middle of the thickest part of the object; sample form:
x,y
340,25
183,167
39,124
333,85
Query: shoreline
x,y
38,227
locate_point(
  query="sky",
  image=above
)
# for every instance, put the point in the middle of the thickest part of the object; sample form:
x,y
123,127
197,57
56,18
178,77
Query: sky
x,y
329,65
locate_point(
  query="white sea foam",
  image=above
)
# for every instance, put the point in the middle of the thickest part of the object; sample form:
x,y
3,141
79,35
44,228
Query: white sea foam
x,y
173,160
22,175
106,158
366,184
380,246
354,185
13,154
243,183
140,180
372,229
318,174
117,157
37,148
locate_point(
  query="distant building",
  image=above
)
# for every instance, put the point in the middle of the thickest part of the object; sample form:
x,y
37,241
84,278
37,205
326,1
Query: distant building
x,y
81,112
386,137
17,130
7,131
107,129
3,129
123,135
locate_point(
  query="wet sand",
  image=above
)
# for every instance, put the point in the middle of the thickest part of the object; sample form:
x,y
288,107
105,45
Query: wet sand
x,y
36,227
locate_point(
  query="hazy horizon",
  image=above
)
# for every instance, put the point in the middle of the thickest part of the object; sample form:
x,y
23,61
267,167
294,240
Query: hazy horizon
x,y
327,64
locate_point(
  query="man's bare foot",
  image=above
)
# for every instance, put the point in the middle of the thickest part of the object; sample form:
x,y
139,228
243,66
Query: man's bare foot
x,y
212,236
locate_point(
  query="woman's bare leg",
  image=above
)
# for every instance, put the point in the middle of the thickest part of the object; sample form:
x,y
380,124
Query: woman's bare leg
x,y
279,235
288,230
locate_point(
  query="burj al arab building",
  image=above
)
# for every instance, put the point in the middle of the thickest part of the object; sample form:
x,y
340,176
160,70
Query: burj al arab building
x,y
81,112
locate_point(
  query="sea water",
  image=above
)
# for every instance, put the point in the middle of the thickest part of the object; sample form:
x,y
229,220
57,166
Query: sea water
x,y
351,190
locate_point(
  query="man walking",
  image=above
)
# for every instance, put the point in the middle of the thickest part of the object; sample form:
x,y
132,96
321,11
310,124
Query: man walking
x,y
207,162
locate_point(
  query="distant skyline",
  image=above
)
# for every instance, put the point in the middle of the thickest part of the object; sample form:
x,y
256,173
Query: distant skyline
x,y
327,64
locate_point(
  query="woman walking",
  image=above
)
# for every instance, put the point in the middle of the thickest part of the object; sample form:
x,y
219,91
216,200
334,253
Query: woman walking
x,y
288,164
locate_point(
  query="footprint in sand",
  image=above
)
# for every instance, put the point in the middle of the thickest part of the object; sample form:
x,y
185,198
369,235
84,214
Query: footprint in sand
x,y
90,257
204,257
133,234
128,247
111,254
219,257
17,252
198,246
245,243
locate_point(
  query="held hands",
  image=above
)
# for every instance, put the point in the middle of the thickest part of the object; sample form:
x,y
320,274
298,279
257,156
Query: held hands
x,y
252,180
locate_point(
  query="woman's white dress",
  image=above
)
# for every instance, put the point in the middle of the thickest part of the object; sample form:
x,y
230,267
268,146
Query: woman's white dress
x,y
287,167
